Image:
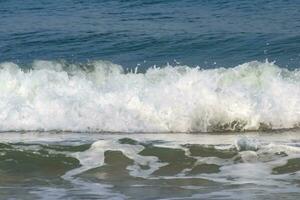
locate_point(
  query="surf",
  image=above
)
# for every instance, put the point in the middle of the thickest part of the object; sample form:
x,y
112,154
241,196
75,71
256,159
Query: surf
x,y
100,96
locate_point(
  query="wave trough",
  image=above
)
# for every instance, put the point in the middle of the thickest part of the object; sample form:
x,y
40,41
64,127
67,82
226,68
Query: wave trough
x,y
101,97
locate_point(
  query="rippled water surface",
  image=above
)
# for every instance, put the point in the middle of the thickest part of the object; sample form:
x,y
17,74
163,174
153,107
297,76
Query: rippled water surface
x,y
150,166
193,32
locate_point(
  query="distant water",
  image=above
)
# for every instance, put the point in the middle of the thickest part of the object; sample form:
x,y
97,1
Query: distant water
x,y
149,99
206,33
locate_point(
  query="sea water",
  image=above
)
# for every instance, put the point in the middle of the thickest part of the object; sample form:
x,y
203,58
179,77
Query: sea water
x,y
149,99
73,165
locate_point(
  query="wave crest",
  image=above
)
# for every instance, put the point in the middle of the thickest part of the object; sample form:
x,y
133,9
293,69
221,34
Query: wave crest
x,y
100,96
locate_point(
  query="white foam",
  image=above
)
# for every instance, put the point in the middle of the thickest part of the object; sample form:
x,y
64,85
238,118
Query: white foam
x,y
99,96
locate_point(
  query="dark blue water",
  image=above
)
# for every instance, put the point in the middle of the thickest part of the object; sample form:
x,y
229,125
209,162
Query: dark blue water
x,y
151,32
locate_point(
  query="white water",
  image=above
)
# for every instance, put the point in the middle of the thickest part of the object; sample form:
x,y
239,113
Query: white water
x,y
101,97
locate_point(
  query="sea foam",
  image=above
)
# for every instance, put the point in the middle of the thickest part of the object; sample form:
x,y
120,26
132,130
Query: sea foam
x,y
100,96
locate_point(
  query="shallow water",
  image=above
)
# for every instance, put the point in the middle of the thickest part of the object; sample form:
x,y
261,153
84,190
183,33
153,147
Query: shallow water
x,y
150,166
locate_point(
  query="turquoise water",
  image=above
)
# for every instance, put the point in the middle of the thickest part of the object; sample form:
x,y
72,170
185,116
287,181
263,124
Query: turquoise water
x,y
149,99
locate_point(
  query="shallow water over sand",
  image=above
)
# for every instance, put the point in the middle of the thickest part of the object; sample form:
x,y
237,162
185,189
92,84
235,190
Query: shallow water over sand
x,y
150,166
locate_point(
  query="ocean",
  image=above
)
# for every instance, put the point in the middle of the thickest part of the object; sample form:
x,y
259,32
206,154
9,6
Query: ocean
x,y
160,99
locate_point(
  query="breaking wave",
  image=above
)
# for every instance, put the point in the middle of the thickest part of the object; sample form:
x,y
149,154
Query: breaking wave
x,y
99,96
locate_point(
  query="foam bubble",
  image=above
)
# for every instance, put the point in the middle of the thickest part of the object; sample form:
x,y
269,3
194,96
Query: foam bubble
x,y
100,96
